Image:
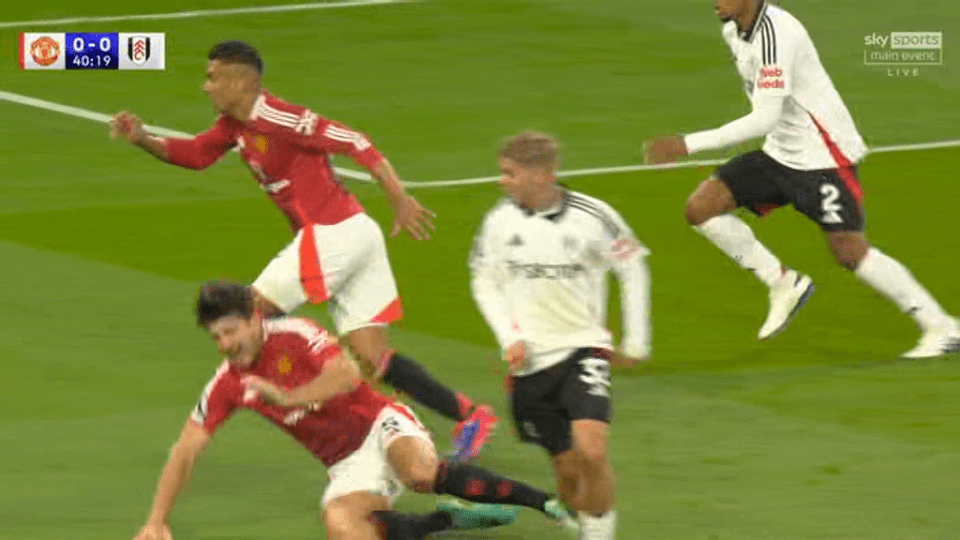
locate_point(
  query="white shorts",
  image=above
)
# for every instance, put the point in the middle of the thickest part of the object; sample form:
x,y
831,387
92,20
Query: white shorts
x,y
345,265
367,468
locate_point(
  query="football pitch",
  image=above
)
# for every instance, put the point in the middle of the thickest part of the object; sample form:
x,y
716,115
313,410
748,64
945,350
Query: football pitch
x,y
821,433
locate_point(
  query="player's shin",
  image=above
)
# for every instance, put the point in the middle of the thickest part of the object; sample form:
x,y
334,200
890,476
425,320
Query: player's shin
x,y
736,239
894,280
398,526
409,377
480,485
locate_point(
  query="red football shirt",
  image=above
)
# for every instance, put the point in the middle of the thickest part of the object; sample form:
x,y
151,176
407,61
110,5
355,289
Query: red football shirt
x,y
294,352
287,148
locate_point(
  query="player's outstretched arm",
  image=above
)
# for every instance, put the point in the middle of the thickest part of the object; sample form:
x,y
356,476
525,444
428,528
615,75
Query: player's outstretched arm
x,y
178,469
126,125
408,214
340,375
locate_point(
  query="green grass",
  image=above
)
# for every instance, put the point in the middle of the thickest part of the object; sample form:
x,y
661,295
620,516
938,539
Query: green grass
x,y
819,434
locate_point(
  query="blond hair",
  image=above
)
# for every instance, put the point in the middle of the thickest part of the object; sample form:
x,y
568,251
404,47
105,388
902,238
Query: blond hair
x,y
532,149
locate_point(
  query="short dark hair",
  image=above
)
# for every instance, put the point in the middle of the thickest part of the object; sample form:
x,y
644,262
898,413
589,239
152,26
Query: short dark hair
x,y
237,52
218,299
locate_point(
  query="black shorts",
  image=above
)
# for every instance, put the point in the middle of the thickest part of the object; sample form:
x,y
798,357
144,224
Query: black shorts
x,y
832,198
546,402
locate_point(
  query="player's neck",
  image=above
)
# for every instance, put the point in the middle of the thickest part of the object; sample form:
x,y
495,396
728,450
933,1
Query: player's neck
x,y
243,110
547,199
746,19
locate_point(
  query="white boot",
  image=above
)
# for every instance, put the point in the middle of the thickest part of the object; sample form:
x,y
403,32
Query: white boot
x,y
787,295
937,341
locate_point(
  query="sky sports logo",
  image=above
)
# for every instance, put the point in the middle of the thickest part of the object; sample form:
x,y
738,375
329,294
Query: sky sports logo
x,y
903,49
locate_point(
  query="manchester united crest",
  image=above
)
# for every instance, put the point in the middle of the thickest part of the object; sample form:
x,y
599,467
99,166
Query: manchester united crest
x,y
45,51
261,143
284,366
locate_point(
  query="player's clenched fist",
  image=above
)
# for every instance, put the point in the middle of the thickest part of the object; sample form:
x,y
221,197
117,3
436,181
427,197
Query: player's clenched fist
x,y
127,125
664,150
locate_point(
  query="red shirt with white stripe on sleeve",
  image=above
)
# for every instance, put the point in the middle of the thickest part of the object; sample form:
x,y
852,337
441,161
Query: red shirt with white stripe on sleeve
x,y
294,352
287,148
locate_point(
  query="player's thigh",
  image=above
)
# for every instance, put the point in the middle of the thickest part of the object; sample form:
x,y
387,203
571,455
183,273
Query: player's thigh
x,y
347,517
591,440
831,198
754,179
364,470
538,415
366,295
407,448
587,398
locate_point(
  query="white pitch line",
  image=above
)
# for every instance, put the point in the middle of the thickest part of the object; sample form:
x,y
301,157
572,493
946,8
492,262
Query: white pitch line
x,y
202,13
365,177
679,165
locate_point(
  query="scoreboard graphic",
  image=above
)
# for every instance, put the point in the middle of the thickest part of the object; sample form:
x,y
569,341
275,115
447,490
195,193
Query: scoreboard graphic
x,y
93,50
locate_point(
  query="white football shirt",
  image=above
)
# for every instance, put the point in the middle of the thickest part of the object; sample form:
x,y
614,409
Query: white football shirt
x,y
780,68
541,277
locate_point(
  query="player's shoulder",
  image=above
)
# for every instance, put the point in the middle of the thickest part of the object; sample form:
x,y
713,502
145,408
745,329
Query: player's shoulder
x,y
297,326
301,329
504,209
224,374
594,210
783,23
275,113
589,204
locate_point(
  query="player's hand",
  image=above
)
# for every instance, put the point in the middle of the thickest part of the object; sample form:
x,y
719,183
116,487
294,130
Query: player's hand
x,y
515,356
620,360
128,126
154,531
664,150
411,216
270,392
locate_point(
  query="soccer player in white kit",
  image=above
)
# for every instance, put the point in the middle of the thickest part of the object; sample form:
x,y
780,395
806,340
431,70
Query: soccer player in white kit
x,y
809,160
539,276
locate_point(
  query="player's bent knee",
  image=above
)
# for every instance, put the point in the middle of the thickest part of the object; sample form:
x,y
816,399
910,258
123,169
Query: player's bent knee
x,y
695,210
421,477
594,455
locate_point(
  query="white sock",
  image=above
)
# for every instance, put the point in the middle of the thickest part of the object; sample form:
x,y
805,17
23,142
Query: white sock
x,y
893,280
736,239
598,528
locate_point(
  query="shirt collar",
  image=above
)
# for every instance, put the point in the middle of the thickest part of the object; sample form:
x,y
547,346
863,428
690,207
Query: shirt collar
x,y
747,35
553,214
257,105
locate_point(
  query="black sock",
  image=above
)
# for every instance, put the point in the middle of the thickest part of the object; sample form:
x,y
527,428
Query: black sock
x,y
397,526
412,379
480,485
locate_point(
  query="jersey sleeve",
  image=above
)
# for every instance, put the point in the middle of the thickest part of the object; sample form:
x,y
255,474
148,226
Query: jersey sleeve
x,y
487,284
219,399
316,134
203,150
778,50
626,256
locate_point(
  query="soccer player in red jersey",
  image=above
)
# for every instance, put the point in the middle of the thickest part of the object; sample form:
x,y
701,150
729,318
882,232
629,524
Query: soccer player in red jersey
x,y
294,374
338,254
